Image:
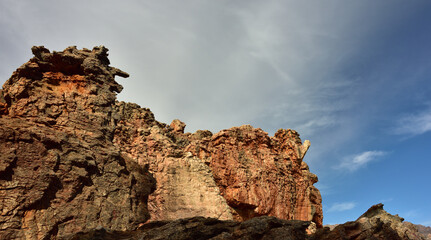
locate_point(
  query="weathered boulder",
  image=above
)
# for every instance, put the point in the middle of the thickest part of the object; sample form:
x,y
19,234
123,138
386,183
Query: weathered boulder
x,y
60,172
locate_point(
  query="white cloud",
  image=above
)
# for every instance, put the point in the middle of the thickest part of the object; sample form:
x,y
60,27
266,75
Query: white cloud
x,y
414,124
353,163
340,207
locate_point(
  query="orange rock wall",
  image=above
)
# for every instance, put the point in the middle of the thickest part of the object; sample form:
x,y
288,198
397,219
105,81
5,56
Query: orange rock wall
x,y
254,174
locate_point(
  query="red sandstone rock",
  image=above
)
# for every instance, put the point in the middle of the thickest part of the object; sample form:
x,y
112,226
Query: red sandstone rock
x,y
69,154
259,175
185,184
178,126
253,173
60,172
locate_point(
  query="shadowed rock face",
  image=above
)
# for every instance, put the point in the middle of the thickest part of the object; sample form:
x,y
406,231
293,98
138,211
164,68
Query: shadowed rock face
x,y
200,228
59,170
375,224
73,158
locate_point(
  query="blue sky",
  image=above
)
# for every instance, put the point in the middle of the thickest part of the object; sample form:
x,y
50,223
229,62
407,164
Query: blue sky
x,y
353,77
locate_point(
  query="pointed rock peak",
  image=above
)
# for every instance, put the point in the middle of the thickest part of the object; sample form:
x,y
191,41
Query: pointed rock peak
x,y
377,210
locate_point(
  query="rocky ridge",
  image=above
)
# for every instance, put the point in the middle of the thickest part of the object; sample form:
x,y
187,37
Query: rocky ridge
x,y
375,224
424,230
236,174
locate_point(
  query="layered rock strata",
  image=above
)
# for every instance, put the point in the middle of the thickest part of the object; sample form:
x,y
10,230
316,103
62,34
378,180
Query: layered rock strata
x,y
60,172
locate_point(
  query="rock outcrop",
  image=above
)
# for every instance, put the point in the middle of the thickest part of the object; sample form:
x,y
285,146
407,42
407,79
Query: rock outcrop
x,y
236,174
73,158
60,172
77,164
375,223
424,230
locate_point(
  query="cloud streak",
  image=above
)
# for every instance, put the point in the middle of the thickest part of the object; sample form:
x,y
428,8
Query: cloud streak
x,y
341,207
414,124
353,163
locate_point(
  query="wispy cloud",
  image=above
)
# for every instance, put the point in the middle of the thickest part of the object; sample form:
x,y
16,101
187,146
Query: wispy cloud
x,y
414,124
343,206
353,163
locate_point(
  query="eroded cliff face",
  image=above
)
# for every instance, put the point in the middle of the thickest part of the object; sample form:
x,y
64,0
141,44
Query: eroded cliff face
x,y
236,174
73,158
60,172
261,175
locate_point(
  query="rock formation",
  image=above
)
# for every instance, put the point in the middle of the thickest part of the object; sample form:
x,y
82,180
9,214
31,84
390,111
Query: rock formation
x,y
375,223
73,158
236,174
59,170
77,164
424,230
